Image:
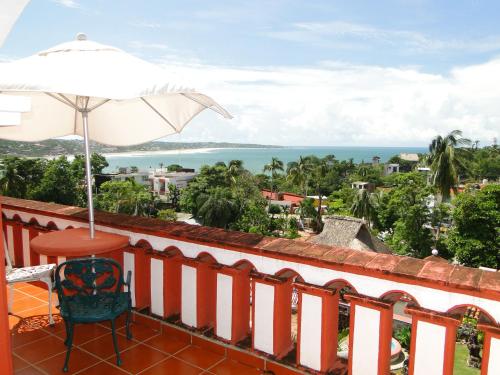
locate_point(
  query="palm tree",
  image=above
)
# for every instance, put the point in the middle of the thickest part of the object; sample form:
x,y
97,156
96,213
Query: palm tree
x,y
218,209
274,166
234,169
12,183
444,162
364,206
298,172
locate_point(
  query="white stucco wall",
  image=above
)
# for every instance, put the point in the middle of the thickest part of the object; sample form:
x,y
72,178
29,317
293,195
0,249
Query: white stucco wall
x,y
494,361
157,286
224,308
188,296
310,331
264,318
429,349
366,341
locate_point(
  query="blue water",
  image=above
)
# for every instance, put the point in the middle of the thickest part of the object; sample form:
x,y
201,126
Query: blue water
x,y
255,158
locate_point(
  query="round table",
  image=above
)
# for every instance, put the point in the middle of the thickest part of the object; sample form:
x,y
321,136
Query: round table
x,y
77,242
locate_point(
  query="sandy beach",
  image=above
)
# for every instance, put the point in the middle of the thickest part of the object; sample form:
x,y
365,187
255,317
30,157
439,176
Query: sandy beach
x,y
160,152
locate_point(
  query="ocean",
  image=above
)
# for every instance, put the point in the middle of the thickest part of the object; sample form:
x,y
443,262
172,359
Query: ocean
x,y
254,159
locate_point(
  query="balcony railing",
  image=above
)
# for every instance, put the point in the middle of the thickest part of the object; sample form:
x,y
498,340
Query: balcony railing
x,y
236,289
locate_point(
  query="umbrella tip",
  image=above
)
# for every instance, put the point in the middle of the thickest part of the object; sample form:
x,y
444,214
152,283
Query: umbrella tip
x,y
81,36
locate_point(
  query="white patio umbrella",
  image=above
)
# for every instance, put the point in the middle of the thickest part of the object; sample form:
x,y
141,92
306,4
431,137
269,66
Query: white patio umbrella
x,y
101,93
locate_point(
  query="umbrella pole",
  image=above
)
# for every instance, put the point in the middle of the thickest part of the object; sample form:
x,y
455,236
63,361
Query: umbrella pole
x,y
88,170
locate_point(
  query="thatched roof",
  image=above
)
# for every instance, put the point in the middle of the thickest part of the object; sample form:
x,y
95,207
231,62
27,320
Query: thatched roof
x,y
349,232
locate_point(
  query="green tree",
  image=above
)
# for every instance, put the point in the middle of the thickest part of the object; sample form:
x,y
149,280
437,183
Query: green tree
x,y
234,169
167,215
20,175
174,196
254,218
274,166
126,197
365,206
97,165
404,212
299,172
58,183
173,167
217,209
475,235
445,162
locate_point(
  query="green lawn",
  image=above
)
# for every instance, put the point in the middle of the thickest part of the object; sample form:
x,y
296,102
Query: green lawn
x,y
461,368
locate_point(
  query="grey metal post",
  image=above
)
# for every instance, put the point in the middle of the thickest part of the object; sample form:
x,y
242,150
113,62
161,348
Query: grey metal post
x,y
88,172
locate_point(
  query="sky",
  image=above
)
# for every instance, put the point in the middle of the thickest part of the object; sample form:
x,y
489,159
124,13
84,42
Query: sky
x,y
310,72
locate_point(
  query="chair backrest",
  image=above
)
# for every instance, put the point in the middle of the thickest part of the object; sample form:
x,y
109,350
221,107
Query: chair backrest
x,y
8,267
88,279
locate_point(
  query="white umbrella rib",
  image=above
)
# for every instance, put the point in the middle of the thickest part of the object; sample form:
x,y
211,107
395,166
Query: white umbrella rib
x,y
213,108
159,114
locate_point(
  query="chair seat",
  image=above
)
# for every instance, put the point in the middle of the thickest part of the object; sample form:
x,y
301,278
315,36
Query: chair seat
x,y
94,308
33,273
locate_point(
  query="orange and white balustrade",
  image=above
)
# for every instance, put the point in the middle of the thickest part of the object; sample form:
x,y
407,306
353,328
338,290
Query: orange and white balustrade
x,y
370,334
174,272
271,314
165,274
198,285
232,318
432,343
318,312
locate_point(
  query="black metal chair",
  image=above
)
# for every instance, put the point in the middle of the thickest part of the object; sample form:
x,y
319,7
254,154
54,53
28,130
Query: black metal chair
x,y
91,290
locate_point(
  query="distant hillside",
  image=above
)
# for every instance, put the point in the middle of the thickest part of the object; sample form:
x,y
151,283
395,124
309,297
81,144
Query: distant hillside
x,y
54,147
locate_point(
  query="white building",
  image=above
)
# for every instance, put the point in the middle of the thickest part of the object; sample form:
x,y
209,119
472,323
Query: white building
x,y
390,169
159,179
124,174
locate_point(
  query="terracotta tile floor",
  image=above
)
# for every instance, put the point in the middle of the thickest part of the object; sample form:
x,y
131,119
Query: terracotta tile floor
x,y
39,349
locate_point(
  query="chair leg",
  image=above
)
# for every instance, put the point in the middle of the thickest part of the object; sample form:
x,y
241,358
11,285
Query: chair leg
x,y
115,343
49,287
127,325
66,325
69,345
11,298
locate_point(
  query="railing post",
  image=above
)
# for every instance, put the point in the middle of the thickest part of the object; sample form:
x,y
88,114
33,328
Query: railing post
x,y
232,319
5,344
433,336
272,315
370,334
165,283
8,229
197,293
318,311
135,260
17,237
491,349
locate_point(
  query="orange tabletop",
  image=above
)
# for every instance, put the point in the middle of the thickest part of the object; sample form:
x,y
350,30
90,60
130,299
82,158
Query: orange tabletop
x,y
77,242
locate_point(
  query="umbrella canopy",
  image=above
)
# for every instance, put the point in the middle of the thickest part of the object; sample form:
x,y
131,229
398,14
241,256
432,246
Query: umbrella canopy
x,y
98,92
129,100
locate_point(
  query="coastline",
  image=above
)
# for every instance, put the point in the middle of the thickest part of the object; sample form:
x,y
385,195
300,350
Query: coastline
x,y
164,152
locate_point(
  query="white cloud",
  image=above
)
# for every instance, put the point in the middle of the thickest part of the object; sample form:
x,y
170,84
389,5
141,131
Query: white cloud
x,y
342,104
68,3
147,25
357,35
137,44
